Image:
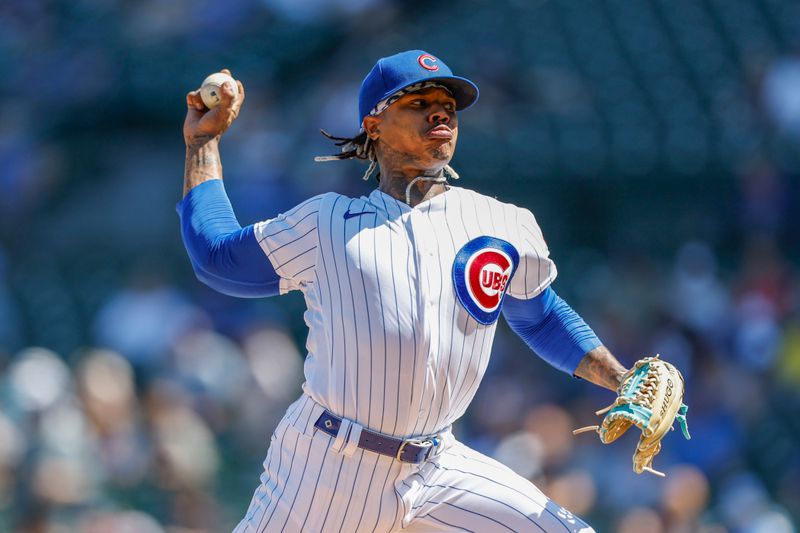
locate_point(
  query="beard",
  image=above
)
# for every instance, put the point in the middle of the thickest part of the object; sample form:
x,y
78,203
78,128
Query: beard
x,y
431,158
443,152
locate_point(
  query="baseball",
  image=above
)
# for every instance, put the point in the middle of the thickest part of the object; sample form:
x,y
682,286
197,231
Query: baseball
x,y
210,90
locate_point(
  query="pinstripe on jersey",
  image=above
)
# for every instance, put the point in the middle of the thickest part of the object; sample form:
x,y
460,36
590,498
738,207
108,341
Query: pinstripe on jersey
x,y
389,344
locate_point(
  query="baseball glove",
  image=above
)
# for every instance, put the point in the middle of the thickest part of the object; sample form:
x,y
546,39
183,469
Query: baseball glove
x,y
651,398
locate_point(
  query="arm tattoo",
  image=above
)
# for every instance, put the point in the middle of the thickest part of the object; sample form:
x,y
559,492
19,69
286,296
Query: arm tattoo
x,y
202,164
601,368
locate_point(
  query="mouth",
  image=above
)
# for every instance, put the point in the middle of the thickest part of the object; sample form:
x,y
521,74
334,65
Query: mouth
x,y
440,132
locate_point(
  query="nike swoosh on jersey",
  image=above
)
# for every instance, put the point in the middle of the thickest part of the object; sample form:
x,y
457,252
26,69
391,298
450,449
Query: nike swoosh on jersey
x,y
348,214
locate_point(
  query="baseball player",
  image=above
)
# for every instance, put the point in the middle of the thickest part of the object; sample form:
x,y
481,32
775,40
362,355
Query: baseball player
x,y
404,287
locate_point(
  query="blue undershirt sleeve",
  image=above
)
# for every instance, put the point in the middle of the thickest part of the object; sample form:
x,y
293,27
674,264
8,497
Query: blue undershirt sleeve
x,y
224,256
551,328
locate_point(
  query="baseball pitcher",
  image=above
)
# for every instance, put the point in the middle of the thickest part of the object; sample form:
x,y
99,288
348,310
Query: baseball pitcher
x,y
403,288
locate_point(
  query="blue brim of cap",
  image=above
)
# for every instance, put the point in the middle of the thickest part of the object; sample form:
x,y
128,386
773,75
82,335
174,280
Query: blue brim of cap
x,y
464,91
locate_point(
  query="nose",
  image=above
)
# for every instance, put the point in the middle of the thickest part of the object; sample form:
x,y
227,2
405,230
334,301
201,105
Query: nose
x,y
439,115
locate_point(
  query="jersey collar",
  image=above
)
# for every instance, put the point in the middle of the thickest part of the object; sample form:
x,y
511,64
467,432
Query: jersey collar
x,y
394,207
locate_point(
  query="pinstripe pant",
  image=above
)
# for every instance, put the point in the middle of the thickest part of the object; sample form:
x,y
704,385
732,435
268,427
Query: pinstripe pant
x,y
313,482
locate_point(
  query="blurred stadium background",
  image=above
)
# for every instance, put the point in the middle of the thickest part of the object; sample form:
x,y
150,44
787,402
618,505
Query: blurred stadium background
x,y
657,142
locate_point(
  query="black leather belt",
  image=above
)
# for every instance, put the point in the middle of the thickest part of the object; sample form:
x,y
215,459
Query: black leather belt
x,y
407,451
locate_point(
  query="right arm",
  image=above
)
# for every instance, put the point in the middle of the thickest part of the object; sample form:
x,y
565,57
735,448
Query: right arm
x,y
224,256
202,130
202,164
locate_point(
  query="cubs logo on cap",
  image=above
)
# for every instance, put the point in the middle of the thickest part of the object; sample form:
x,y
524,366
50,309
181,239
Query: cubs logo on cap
x,y
481,272
428,62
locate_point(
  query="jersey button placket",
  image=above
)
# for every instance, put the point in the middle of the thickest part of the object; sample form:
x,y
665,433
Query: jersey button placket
x,y
425,256
426,269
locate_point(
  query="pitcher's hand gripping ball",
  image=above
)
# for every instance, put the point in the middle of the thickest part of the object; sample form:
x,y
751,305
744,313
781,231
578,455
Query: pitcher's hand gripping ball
x,y
651,398
210,91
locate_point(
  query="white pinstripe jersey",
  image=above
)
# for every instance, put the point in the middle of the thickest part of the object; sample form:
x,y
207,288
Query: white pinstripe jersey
x,y
400,323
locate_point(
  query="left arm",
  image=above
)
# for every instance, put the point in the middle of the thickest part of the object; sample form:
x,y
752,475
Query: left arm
x,y
561,337
601,368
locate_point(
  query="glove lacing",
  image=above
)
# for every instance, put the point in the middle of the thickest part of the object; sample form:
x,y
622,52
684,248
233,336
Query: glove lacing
x,y
644,395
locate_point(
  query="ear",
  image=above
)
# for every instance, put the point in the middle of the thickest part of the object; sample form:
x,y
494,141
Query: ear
x,y
371,127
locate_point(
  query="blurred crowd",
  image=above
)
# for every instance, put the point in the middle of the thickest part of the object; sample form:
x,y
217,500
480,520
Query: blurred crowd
x,y
657,143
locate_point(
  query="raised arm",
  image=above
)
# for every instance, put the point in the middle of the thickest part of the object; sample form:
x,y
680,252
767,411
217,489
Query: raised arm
x,y
224,256
202,130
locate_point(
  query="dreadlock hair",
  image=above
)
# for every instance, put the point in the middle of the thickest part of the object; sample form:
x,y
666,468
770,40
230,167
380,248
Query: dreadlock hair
x,y
361,147
358,147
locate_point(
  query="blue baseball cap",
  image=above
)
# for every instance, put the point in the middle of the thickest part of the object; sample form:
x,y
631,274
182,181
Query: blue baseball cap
x,y
393,73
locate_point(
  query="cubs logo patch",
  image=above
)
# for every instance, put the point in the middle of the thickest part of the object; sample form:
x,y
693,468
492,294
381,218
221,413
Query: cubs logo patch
x,y
481,272
428,62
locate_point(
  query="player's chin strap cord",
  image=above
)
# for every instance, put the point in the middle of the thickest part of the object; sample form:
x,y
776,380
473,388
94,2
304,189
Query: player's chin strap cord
x,y
441,178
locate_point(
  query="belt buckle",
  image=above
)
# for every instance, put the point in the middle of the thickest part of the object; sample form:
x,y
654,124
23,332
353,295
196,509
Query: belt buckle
x,y
429,443
400,450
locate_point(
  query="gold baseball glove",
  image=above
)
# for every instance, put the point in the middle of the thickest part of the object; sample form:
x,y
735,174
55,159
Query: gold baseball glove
x,y
651,398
